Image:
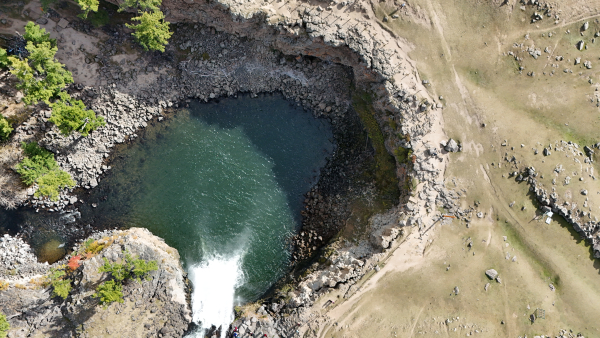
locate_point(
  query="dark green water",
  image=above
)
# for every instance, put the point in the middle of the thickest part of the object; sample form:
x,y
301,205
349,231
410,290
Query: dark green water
x,y
223,183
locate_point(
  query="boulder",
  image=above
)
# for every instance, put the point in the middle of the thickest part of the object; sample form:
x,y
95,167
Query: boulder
x,y
451,146
491,273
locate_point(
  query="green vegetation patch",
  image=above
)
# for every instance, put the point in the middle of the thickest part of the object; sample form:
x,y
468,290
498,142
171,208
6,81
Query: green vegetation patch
x,y
517,241
131,268
99,18
72,115
5,129
39,166
385,166
152,32
61,286
4,325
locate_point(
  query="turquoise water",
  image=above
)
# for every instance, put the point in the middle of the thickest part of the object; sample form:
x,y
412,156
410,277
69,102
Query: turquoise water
x,y
223,183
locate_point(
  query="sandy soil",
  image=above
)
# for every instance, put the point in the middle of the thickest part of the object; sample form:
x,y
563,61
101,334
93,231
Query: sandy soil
x,y
463,50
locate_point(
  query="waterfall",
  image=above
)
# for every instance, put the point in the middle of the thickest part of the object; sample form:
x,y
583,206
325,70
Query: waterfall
x,y
215,281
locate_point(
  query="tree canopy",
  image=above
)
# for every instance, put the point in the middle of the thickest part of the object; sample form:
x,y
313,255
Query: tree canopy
x,y
39,166
41,77
36,34
87,6
152,32
5,128
143,5
72,115
3,58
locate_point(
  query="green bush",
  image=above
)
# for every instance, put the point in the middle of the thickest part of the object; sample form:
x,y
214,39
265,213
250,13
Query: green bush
x,y
111,291
118,271
99,18
50,183
87,6
140,268
130,268
143,5
5,129
40,77
72,115
4,325
152,32
60,286
3,58
108,292
39,166
37,162
37,35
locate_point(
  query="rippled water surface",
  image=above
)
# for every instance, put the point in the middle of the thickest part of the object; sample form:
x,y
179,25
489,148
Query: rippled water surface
x,y
223,183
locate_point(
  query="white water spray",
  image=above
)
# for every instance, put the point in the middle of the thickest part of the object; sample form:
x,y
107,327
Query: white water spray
x,y
215,281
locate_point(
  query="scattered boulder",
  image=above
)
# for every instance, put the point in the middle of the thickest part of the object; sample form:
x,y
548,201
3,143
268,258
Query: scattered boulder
x,y
451,146
491,273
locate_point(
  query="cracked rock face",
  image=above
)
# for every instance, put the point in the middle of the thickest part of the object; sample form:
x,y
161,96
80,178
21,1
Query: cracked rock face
x,y
156,305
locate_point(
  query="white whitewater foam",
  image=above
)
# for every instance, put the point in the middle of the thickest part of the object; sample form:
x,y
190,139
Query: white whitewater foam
x,y
215,281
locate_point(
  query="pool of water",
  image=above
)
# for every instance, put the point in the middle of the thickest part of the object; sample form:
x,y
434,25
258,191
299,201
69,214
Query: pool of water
x,y
222,182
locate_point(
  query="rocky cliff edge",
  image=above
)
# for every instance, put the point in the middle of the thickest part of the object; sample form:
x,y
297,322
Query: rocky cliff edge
x,y
155,306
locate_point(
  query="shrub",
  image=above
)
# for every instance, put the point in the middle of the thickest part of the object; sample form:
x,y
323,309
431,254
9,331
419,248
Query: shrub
x,y
74,263
140,267
72,115
39,166
152,32
50,183
60,286
5,129
109,291
144,5
3,58
36,34
40,77
87,6
37,162
93,247
4,325
99,18
118,271
130,268
3,285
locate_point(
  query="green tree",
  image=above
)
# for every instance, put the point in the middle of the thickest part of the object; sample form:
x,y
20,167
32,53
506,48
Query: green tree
x,y
36,34
72,115
40,77
118,271
5,128
109,291
50,183
4,325
144,5
39,166
152,32
60,286
87,6
3,58
140,267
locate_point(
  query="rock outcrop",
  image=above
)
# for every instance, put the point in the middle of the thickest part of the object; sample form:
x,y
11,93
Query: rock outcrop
x,y
157,306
